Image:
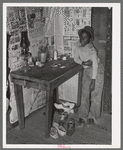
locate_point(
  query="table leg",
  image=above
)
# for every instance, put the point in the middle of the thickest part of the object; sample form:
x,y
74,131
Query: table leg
x,y
20,106
79,87
49,111
56,95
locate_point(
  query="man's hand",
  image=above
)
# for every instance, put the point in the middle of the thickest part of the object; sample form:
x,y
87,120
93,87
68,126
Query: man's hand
x,y
87,63
92,85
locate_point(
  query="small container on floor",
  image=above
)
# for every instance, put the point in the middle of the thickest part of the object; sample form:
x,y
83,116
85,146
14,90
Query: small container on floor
x,y
71,127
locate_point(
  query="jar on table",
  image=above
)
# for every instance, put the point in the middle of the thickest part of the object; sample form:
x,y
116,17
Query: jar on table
x,y
42,54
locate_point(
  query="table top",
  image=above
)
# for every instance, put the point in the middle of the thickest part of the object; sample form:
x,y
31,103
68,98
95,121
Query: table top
x,y
47,72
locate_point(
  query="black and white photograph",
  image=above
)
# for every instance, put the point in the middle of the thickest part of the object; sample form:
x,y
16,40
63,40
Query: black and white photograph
x,y
61,75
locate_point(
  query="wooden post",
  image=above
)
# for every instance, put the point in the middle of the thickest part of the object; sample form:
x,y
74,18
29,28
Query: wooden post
x,y
56,95
20,106
49,108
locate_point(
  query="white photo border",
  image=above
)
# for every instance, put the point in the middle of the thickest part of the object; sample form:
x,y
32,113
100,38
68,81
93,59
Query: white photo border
x,y
116,74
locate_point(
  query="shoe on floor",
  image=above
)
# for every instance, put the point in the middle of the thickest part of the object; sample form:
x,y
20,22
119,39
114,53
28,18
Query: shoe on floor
x,y
80,123
58,106
53,132
63,118
70,105
71,127
61,130
65,108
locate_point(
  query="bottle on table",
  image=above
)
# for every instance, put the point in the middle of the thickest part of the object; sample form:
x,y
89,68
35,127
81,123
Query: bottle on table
x,y
55,55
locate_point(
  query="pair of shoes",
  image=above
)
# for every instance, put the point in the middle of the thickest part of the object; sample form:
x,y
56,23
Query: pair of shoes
x,y
80,123
63,118
57,129
70,127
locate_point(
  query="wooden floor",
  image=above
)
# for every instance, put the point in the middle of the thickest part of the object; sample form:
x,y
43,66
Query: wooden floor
x,y
35,127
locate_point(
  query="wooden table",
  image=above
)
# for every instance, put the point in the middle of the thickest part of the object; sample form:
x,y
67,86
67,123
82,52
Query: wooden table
x,y
45,78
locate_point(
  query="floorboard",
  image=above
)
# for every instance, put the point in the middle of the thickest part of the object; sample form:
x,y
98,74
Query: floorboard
x,y
35,128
